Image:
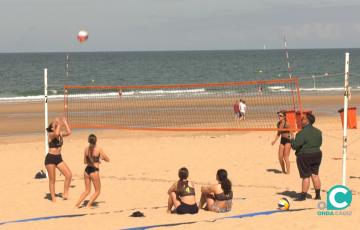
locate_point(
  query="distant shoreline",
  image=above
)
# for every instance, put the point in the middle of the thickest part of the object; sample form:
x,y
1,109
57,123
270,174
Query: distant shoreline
x,y
332,91
185,50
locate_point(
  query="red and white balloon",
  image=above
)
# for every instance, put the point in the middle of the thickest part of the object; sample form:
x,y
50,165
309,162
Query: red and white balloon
x,y
82,36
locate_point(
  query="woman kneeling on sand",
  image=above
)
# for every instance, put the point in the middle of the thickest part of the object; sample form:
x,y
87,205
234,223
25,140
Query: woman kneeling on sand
x,y
182,195
92,155
217,197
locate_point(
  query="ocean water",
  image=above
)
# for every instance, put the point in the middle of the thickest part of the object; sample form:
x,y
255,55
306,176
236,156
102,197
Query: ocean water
x,y
318,70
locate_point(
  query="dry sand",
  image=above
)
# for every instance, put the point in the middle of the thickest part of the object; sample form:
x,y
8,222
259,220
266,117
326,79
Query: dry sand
x,y
144,164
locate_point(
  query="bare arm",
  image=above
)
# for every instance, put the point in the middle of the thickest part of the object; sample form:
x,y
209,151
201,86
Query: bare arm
x,y
57,130
276,138
172,188
208,189
103,156
85,155
67,127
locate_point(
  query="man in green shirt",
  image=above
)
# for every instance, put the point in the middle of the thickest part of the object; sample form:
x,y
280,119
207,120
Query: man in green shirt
x,y
308,155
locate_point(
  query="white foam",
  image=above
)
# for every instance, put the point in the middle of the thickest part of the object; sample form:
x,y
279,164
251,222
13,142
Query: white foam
x,y
30,98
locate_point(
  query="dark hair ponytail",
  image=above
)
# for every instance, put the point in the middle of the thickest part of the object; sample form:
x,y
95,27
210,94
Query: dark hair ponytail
x,y
49,128
92,139
224,181
183,175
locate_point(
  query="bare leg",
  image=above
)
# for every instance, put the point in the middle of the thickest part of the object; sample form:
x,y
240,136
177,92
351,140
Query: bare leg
x,y
52,177
173,201
64,169
170,204
95,178
207,199
87,190
281,157
317,186
316,181
286,152
202,200
209,202
305,185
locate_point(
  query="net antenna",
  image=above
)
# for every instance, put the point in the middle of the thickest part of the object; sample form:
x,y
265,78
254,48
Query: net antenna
x,y
184,107
287,58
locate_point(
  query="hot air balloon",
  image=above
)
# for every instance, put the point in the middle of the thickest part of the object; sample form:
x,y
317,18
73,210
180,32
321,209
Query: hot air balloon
x,y
82,36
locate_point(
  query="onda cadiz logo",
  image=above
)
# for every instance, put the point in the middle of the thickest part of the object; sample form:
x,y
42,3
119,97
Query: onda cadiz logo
x,y
339,197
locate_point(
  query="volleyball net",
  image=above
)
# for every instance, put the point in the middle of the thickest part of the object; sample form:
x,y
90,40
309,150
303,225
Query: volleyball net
x,y
187,107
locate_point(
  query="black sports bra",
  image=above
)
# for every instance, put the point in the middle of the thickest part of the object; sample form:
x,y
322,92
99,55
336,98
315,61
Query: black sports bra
x,y
183,189
56,142
284,126
91,159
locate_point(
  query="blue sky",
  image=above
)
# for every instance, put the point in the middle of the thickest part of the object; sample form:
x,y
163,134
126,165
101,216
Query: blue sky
x,y
137,25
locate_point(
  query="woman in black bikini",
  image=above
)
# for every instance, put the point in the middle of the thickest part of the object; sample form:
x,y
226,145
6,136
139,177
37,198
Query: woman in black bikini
x,y
54,159
217,197
182,195
92,155
285,143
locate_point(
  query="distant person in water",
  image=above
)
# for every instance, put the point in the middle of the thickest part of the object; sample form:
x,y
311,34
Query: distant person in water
x,y
92,155
285,142
182,195
217,197
53,159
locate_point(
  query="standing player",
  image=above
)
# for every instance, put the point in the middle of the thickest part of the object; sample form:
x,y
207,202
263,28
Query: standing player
x,y
285,142
54,159
92,155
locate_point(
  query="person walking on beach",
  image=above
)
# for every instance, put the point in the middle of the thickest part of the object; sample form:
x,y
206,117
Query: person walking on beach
x,y
237,109
217,197
308,155
54,159
92,155
182,195
285,142
242,106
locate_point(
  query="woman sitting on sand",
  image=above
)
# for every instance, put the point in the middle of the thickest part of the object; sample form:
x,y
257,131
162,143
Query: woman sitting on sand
x,y
54,159
92,155
285,143
217,197
182,195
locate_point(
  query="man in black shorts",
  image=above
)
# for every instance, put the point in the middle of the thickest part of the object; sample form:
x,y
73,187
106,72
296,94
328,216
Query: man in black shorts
x,y
308,155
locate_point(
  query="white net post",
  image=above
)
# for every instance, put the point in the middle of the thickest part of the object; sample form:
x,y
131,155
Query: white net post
x,y
346,100
46,113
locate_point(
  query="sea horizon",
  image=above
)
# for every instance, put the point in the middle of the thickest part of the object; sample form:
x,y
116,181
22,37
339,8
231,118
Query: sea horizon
x,y
318,70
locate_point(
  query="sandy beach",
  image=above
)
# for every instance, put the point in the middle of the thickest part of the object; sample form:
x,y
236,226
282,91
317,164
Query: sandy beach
x,y
145,163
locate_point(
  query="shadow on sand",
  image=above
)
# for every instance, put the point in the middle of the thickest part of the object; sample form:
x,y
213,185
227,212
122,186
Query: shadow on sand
x,y
48,196
276,171
292,194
